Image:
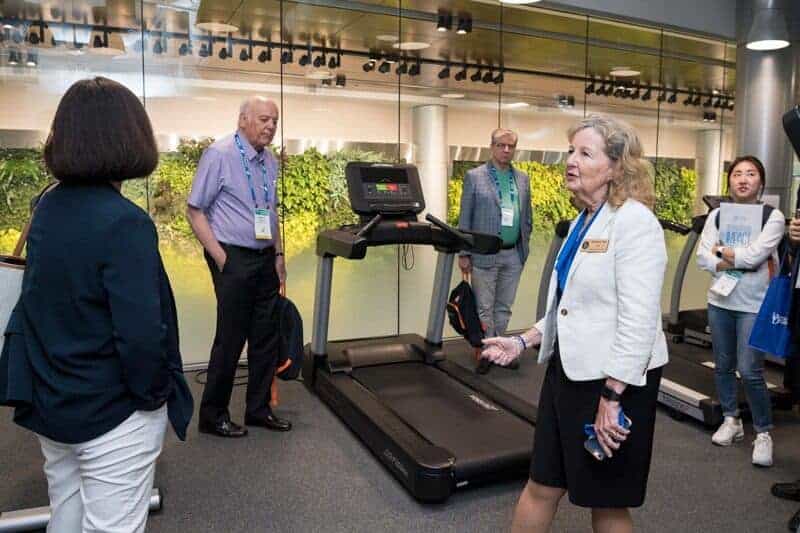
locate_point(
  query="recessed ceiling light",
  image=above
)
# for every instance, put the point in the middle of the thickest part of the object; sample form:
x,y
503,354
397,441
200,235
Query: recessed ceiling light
x,y
452,95
624,72
516,105
319,75
411,45
389,38
767,44
217,27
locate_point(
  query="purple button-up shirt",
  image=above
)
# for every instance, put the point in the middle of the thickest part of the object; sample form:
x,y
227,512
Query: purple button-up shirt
x,y
221,191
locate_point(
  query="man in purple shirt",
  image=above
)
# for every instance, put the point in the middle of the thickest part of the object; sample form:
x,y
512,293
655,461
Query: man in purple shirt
x,y
232,211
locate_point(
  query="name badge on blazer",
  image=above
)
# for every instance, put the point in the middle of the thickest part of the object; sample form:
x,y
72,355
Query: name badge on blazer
x,y
595,246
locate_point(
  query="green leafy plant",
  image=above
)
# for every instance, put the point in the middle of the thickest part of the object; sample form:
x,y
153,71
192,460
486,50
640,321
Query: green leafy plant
x,y
675,191
22,176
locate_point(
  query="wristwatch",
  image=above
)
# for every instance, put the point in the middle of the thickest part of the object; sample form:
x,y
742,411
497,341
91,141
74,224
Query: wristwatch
x,y
610,394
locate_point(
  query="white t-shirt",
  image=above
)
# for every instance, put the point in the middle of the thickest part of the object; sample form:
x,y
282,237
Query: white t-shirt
x,y
752,286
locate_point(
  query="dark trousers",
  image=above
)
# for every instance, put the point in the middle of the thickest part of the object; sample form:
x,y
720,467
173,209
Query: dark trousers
x,y
247,295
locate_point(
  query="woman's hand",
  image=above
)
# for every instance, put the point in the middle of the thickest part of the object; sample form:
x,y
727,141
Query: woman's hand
x,y
501,350
609,433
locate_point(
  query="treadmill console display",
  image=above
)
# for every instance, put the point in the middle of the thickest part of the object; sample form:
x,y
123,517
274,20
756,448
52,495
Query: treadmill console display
x,y
386,189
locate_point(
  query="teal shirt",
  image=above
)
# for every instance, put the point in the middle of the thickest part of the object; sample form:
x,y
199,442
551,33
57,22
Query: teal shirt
x,y
508,187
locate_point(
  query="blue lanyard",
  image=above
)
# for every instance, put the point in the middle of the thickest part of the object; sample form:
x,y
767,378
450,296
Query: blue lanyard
x,y
567,255
246,168
511,182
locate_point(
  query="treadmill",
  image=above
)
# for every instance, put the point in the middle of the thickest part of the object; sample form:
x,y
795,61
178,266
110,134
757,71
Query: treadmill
x,y
687,385
435,425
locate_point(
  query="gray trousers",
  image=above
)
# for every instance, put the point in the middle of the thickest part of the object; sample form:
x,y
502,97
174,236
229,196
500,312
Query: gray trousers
x,y
495,289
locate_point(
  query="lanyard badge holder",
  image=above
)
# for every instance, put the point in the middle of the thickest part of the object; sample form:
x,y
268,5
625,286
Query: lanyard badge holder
x,y
262,221
506,213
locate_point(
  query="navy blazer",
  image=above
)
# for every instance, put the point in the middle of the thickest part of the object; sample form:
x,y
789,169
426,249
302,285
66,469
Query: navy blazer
x,y
94,336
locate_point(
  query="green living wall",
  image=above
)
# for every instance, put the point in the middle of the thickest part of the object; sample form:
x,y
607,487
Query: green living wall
x,y
675,188
313,193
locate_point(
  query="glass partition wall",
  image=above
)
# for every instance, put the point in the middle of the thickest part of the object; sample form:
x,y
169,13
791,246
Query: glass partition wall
x,y
386,81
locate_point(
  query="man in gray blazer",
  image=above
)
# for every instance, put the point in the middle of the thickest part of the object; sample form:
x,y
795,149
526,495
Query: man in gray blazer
x,y
497,200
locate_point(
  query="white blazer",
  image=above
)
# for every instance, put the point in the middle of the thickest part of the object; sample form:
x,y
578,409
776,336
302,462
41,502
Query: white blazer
x,y
609,319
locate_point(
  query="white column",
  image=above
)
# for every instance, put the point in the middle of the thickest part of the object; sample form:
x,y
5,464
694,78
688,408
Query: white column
x,y
430,155
708,166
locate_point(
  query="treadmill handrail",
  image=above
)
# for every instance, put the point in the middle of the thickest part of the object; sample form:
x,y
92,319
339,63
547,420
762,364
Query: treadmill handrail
x,y
468,240
675,227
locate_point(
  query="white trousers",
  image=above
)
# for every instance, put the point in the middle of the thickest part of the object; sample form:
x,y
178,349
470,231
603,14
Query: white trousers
x,y
104,485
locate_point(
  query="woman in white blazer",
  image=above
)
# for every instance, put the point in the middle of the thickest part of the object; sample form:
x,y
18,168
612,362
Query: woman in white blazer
x,y
732,312
601,335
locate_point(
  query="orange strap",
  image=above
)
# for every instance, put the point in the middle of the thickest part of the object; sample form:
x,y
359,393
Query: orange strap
x,y
23,237
771,267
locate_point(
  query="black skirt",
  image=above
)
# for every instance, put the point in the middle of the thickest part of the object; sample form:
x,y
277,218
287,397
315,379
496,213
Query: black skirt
x,y
559,458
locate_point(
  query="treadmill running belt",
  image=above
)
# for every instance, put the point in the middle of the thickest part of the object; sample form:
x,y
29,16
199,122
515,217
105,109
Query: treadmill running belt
x,y
483,437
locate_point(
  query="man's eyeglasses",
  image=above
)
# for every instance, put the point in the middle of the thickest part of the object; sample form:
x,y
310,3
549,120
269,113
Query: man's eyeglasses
x,y
503,146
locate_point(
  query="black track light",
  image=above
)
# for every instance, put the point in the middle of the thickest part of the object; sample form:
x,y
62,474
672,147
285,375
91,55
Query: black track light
x,y
730,105
477,75
589,88
320,60
223,53
697,100
266,54
369,65
402,68
673,98
718,103
243,55
385,67
97,42
461,75
287,56
227,51
444,22
662,96
203,52
619,92
500,78
415,69
688,99
709,102
488,76
341,80
601,89
335,61
464,24
444,73
305,59
185,49
647,95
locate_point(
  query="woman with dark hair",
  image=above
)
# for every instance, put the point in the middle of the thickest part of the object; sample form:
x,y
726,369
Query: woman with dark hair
x,y
601,337
91,360
732,311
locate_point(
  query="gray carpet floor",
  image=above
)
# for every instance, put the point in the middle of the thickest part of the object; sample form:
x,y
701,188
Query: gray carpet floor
x,y
319,477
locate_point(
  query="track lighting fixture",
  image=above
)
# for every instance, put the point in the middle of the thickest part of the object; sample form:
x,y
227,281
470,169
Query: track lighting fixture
x,y
500,78
266,54
718,102
287,56
673,98
462,74
243,55
184,49
647,95
476,76
444,21
619,92
464,24
227,51
662,96
444,73
158,47
415,69
488,76
223,53
696,101
709,102
402,68
335,61
688,99
305,59
320,60
589,88
601,89
203,52
385,67
730,105
635,94
369,66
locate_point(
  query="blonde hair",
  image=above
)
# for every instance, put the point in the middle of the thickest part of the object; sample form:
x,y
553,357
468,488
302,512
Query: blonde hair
x,y
623,147
502,132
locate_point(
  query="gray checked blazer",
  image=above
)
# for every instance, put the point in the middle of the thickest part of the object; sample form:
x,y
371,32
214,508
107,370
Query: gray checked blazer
x,y
480,210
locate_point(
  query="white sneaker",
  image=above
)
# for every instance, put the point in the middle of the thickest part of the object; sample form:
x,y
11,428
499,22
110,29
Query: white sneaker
x,y
729,432
762,450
